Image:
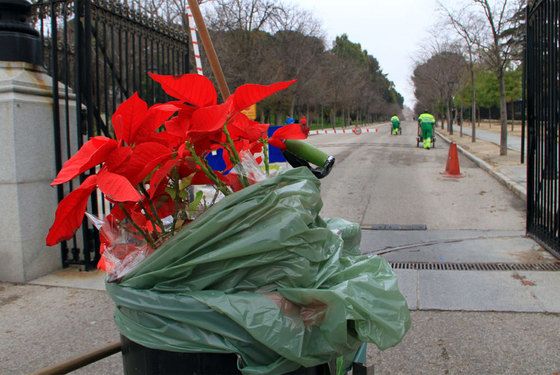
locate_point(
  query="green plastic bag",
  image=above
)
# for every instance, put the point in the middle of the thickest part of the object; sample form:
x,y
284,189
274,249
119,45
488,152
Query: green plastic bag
x,y
261,274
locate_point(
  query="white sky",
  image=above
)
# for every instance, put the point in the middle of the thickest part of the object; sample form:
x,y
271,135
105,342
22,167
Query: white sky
x,y
392,31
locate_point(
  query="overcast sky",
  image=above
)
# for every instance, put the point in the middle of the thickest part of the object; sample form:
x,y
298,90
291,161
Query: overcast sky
x,y
390,30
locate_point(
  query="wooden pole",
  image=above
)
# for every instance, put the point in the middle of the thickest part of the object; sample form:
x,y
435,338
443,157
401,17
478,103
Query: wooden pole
x,y
209,48
80,360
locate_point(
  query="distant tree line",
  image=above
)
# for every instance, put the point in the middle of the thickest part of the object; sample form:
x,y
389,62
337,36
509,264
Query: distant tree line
x,y
265,41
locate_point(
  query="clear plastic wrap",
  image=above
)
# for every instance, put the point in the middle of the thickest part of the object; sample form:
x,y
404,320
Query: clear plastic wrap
x,y
248,168
120,251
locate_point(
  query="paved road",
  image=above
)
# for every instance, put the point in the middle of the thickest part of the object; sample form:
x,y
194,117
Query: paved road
x,y
384,179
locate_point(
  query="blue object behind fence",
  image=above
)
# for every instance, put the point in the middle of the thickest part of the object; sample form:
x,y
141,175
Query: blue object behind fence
x,y
216,161
274,153
216,158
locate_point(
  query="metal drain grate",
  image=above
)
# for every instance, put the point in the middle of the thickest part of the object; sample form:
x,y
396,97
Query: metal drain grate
x,y
393,227
475,266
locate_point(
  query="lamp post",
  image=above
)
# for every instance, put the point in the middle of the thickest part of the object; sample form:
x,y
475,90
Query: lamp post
x,y
449,106
18,40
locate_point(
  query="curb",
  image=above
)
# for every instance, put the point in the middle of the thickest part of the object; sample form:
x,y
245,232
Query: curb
x,y
515,187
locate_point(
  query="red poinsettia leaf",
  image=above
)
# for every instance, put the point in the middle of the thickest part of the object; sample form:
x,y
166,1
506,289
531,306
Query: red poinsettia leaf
x,y
108,233
116,161
176,127
209,119
144,159
247,95
242,127
242,145
118,213
160,195
187,167
92,153
292,131
180,124
256,147
182,151
167,208
159,176
117,188
200,178
70,212
232,180
227,161
205,142
164,138
128,117
139,218
102,264
195,89
277,143
155,118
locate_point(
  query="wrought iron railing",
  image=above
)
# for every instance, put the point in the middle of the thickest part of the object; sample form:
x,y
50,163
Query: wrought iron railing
x,y
543,122
99,53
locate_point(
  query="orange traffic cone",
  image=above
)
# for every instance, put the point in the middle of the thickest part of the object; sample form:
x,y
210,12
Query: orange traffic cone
x,y
452,166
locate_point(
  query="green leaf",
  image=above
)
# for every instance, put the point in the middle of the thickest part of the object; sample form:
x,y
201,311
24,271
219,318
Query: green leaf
x,y
171,192
185,182
194,204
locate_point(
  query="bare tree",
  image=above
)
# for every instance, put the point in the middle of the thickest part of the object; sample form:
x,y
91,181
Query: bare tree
x,y
437,77
301,21
248,15
499,48
469,30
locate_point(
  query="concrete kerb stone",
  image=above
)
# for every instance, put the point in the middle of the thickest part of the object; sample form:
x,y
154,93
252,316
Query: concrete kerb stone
x,y
516,188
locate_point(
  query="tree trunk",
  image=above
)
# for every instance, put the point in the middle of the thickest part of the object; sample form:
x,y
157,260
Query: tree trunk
x,y
460,120
512,114
503,116
449,117
478,116
473,114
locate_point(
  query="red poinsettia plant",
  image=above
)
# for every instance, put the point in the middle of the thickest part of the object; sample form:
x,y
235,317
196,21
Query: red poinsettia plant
x,y
157,154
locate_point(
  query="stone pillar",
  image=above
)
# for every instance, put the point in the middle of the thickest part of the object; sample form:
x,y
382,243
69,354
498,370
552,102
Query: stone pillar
x,y
27,166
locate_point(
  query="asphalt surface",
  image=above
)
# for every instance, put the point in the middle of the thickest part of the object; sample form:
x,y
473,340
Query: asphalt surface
x,y
471,321
480,321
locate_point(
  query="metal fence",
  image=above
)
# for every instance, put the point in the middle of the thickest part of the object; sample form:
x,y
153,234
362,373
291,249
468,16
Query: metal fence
x,y
543,120
98,53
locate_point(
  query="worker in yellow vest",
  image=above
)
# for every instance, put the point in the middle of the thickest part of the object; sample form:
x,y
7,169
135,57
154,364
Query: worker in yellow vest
x,y
426,122
396,124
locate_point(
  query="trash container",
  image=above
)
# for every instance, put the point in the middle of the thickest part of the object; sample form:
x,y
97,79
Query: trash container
x,y
140,360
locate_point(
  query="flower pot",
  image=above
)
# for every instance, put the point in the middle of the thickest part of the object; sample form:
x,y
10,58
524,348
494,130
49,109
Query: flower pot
x,y
141,360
